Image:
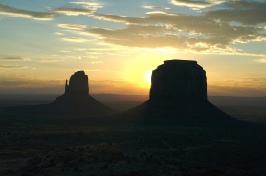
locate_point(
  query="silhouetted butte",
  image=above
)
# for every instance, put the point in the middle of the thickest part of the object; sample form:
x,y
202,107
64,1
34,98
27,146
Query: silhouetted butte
x,y
179,90
76,98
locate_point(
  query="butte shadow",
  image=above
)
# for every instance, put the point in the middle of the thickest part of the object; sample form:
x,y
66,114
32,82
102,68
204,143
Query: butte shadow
x,y
178,92
75,100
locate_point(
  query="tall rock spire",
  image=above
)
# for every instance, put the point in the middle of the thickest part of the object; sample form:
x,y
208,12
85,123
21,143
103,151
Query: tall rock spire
x,y
66,87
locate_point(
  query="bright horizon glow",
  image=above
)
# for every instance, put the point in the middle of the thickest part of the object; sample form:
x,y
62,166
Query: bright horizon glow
x,y
117,43
148,77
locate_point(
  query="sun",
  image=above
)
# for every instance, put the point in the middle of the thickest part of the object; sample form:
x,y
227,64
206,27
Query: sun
x,y
147,76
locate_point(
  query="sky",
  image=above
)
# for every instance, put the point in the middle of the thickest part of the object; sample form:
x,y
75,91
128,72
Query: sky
x,y
118,43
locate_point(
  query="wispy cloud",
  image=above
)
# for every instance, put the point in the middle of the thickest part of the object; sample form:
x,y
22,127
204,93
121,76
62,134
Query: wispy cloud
x,y
96,62
26,79
25,59
236,11
11,66
96,70
47,61
262,60
73,11
196,3
156,8
72,26
90,5
89,9
59,33
213,31
16,59
14,12
74,39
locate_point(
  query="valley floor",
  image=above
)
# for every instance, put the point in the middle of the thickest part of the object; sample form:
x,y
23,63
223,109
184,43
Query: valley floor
x,y
32,144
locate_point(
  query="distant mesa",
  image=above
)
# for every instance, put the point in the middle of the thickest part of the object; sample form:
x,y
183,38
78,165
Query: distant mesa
x,y
76,98
178,90
78,84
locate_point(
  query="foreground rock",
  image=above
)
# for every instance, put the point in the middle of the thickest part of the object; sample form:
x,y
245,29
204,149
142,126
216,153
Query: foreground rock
x,y
179,91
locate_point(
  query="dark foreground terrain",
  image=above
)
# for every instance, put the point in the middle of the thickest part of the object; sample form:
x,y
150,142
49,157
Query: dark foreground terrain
x,y
34,144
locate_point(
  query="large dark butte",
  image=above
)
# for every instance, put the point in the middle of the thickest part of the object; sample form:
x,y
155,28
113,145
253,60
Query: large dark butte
x,y
179,91
75,100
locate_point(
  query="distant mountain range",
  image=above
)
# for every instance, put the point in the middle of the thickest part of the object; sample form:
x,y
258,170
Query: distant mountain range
x,y
7,99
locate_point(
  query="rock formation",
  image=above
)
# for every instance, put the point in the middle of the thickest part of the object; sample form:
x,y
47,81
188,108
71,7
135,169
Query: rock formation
x,y
76,98
78,84
179,91
180,80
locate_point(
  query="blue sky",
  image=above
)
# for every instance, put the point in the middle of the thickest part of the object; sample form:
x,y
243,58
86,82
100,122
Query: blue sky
x,y
118,43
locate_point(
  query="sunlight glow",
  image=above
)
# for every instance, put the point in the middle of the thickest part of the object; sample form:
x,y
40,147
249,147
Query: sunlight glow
x,y
147,75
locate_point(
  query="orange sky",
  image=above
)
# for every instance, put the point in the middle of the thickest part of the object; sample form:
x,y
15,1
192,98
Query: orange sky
x,y
119,43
